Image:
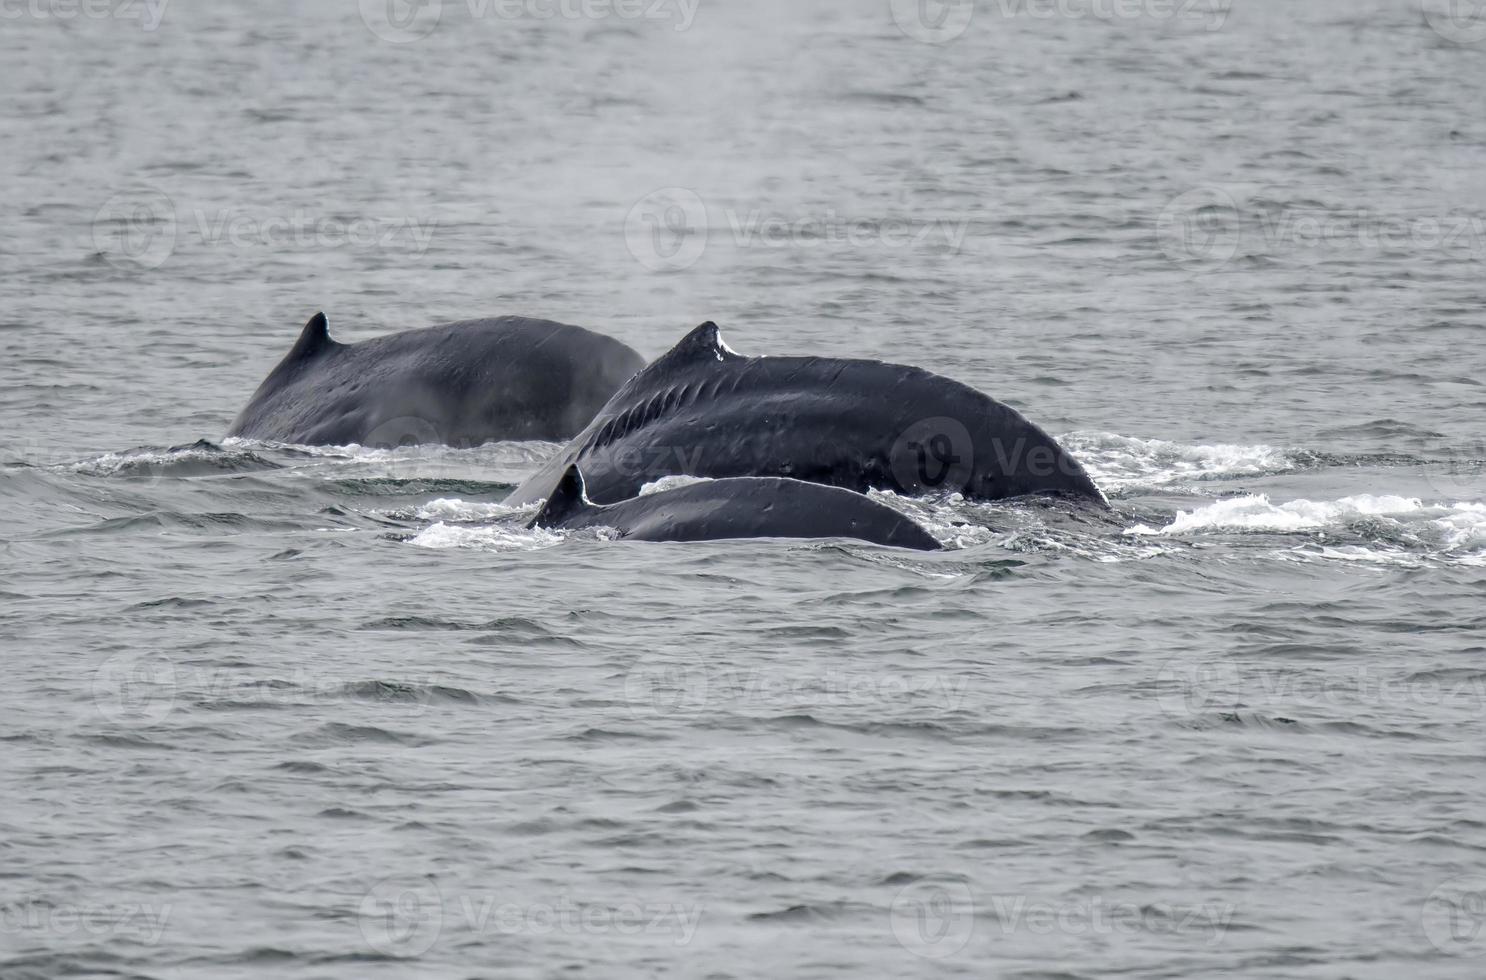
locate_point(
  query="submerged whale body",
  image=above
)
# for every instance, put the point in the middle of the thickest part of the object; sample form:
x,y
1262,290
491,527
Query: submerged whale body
x,y
740,507
703,410
460,384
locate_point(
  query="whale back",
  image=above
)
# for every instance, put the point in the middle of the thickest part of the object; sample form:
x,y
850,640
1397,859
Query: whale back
x,y
704,410
461,384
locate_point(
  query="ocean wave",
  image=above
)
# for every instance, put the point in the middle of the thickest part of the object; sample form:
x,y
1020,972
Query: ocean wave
x,y
201,458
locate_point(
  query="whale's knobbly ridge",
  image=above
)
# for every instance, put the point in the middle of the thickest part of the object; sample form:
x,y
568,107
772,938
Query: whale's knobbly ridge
x,y
704,410
739,507
460,384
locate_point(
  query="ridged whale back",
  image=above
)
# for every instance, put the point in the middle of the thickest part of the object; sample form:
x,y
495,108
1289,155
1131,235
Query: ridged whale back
x,y
703,410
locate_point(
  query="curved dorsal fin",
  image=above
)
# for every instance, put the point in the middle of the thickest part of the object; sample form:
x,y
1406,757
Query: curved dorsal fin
x,y
568,498
704,342
314,339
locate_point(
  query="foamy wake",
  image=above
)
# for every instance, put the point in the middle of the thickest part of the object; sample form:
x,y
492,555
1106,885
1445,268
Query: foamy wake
x,y
1117,462
1451,531
462,511
491,537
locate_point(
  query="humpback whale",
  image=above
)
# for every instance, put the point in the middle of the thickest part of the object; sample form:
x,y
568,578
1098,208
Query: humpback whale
x,y
461,384
704,410
739,507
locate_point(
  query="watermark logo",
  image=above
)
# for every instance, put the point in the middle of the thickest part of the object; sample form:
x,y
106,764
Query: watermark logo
x,y
666,230
403,432
401,21
1454,916
136,688
136,227
405,918
669,229
756,229
687,683
1203,229
146,688
143,227
404,21
670,683
149,13
1212,14
401,917
1097,916
35,918
942,21
1199,230
932,455
932,21
1461,475
1460,21
934,920
1185,688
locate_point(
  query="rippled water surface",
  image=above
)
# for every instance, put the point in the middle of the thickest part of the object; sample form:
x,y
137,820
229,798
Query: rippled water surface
x,y
334,713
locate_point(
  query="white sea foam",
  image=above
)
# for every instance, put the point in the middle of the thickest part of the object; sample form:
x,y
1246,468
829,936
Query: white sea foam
x,y
485,538
1257,513
462,511
1453,532
1118,462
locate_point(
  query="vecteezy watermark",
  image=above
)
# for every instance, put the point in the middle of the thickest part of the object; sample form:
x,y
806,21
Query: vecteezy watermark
x,y
37,920
669,229
1454,916
1209,15
1461,475
401,917
1096,916
1318,228
1460,21
933,454
145,688
807,231
136,688
934,920
1185,688
942,21
136,226
143,227
1199,230
1203,229
149,13
407,917
403,432
666,230
402,21
932,21
685,683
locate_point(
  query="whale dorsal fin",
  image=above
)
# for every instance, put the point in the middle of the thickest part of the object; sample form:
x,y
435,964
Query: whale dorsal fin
x,y
568,498
313,340
703,343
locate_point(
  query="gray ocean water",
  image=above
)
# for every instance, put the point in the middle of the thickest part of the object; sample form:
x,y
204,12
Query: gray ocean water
x,y
278,712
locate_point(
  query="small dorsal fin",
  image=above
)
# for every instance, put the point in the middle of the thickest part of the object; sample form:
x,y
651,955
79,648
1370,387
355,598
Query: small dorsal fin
x,y
703,342
568,498
314,339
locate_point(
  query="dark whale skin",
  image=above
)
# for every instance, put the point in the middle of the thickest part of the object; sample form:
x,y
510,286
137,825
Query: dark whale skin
x,y
740,507
459,384
703,410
